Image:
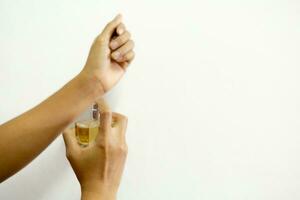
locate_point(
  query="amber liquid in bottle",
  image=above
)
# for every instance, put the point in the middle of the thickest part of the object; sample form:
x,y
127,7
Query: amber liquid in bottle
x,y
86,131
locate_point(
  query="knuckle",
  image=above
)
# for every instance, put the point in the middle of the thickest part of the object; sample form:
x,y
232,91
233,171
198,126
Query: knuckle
x,y
100,40
111,146
125,118
122,39
128,34
69,155
131,43
119,115
123,149
102,145
129,56
120,149
133,55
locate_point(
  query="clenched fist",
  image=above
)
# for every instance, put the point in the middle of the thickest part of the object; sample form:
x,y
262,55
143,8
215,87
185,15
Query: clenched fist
x,y
110,55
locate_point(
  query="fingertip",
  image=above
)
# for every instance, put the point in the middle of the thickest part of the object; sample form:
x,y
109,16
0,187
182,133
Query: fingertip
x,y
120,29
113,45
116,55
118,19
103,106
128,57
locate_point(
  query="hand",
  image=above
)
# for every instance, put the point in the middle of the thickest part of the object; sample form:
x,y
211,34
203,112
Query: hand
x,y
99,166
110,54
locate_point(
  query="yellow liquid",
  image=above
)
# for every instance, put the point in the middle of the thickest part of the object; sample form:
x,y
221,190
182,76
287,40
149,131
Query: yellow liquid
x,y
86,131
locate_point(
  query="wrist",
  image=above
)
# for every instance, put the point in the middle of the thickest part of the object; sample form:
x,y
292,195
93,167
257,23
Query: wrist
x,y
96,190
91,85
88,195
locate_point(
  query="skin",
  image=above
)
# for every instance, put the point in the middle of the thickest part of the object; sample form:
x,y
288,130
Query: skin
x,y
26,136
99,166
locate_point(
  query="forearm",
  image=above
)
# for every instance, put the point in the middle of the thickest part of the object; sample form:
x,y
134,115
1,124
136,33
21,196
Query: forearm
x,y
23,138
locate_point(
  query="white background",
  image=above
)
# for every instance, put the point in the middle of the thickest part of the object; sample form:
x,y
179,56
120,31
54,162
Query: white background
x,y
212,97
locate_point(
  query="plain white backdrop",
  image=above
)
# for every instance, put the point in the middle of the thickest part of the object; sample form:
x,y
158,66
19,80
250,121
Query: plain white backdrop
x,y
212,97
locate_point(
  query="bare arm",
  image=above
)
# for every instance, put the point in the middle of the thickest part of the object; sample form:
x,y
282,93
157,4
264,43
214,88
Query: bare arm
x,y
23,138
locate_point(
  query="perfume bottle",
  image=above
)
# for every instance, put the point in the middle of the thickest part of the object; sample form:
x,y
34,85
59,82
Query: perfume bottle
x,y
87,128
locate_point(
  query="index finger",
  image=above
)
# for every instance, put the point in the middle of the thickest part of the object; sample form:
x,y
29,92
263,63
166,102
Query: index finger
x,y
105,121
104,130
103,105
110,28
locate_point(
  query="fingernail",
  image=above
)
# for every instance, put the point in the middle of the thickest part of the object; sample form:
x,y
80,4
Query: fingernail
x,y
116,55
113,44
120,31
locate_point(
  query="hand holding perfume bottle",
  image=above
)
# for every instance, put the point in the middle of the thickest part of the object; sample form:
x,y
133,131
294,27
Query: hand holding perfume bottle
x,y
99,165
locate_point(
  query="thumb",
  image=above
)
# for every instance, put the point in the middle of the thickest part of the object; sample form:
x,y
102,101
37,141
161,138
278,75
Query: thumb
x,y
70,140
111,27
